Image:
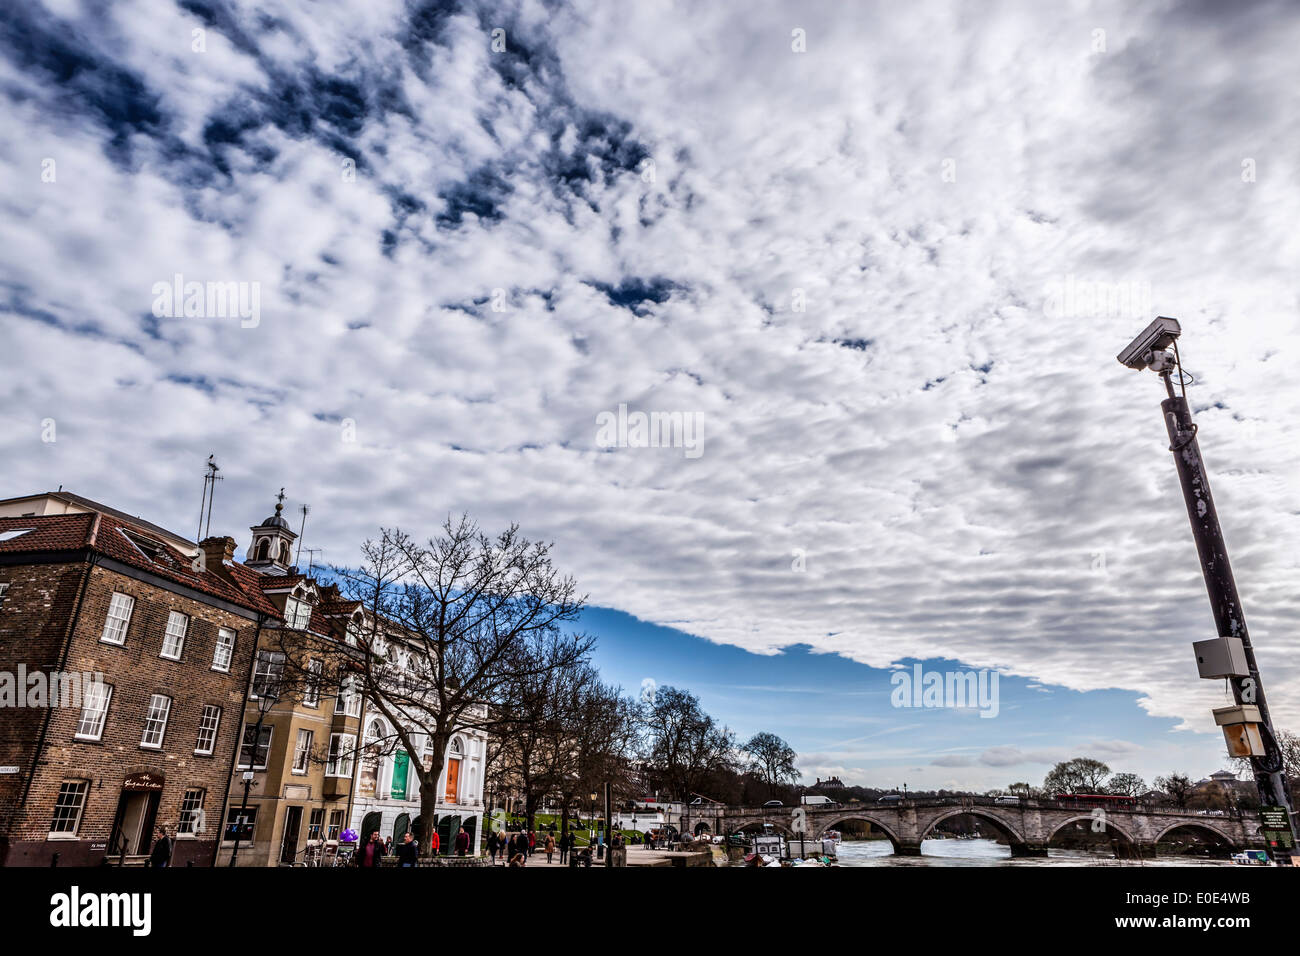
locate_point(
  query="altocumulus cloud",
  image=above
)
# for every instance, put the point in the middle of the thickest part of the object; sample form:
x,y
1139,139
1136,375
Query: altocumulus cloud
x,y
840,259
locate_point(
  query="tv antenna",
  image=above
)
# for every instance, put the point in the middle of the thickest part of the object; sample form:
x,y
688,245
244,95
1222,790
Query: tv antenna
x,y
306,510
311,557
209,492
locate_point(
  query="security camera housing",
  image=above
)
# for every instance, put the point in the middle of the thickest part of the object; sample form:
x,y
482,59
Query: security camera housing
x,y
1156,337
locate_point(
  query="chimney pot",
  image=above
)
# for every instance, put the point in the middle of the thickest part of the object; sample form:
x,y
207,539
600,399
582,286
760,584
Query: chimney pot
x,y
216,552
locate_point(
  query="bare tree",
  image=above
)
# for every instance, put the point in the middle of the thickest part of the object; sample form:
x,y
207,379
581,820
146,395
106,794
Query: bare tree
x,y
683,744
604,735
1178,786
1080,775
771,759
1127,784
450,629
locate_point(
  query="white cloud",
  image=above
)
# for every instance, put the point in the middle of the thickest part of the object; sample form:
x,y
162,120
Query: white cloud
x,y
949,458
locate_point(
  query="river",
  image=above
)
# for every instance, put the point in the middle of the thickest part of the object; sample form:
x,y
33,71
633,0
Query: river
x,y
991,853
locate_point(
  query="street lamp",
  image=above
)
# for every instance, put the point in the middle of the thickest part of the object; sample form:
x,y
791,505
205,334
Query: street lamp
x,y
265,701
1247,726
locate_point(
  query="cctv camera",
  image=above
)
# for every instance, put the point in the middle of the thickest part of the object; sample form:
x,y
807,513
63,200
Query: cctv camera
x,y
1162,361
1155,338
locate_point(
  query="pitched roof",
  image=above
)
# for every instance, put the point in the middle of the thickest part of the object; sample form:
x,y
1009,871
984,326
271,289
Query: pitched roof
x,y
135,546
92,505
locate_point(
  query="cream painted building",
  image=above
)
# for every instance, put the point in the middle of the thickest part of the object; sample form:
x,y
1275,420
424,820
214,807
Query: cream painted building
x,y
387,791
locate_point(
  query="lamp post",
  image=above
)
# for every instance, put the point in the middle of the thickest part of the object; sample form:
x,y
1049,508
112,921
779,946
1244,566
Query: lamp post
x,y
609,826
1248,726
265,701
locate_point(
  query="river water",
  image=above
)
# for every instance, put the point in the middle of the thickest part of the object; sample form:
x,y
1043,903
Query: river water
x,y
991,853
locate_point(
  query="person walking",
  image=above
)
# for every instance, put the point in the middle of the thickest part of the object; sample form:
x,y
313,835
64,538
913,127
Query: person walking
x,y
369,855
462,843
532,842
492,847
435,843
408,853
162,850
550,847
565,837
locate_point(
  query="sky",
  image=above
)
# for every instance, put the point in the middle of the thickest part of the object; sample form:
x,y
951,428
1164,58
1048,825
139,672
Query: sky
x,y
877,259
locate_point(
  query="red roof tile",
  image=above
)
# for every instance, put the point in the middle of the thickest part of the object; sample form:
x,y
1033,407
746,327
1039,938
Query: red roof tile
x,y
105,535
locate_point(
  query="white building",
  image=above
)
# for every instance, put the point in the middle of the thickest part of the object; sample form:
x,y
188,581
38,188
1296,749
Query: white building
x,y
387,791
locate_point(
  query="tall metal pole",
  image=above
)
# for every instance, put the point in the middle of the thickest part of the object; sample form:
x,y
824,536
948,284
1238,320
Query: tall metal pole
x,y
1270,775
248,782
609,829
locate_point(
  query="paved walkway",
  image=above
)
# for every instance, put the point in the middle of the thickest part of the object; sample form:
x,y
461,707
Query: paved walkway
x,y
636,856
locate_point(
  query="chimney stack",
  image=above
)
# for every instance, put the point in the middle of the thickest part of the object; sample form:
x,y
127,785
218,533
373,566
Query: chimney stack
x,y
216,552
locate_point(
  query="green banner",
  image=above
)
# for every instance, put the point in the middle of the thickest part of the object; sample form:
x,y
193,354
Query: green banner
x,y
401,762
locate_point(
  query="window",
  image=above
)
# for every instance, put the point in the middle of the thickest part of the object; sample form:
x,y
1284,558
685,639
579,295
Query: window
x,y
267,673
336,824
224,650
311,693
174,640
68,806
348,700
315,824
119,616
353,634
340,756
256,755
240,824
302,751
208,724
4,586
15,532
94,708
151,549
297,614
155,722
368,779
191,822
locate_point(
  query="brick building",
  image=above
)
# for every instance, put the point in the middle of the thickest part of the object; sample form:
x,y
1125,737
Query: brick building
x,y
88,772
303,757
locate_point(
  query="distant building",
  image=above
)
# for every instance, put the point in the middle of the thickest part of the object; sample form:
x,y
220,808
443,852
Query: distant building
x,y
830,783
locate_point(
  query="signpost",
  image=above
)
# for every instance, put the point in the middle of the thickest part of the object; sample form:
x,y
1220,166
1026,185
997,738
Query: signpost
x,y
1275,828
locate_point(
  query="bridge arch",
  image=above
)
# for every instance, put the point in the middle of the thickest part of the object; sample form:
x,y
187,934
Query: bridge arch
x,y
751,823
1109,820
1208,827
822,825
982,813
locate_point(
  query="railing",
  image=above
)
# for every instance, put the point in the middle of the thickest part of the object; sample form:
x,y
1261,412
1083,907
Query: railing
x,y
1139,806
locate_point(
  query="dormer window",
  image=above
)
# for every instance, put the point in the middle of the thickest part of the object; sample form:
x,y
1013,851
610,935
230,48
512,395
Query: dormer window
x,y
297,614
151,549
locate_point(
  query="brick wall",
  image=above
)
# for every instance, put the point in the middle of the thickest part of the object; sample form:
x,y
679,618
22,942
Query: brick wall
x,y
34,614
136,671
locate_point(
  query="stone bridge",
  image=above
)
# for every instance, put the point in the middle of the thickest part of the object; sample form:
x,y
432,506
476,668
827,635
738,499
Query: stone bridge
x,y
1028,827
